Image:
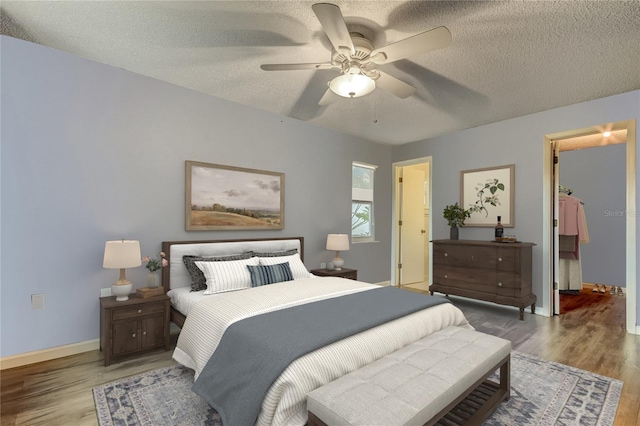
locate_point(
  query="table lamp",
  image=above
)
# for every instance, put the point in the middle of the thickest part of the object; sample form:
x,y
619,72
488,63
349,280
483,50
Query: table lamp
x,y
120,255
338,242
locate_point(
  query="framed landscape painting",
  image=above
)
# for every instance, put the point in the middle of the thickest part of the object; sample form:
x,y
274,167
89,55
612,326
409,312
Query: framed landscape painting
x,y
488,193
232,198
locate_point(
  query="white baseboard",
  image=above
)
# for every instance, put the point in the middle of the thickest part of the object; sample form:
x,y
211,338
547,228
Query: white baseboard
x,y
637,330
384,283
47,354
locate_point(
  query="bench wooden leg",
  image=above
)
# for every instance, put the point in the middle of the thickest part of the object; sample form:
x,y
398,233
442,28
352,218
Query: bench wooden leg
x,y
505,378
313,420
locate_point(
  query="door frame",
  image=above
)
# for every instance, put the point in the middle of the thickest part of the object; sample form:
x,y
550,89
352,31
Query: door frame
x,y
395,195
547,218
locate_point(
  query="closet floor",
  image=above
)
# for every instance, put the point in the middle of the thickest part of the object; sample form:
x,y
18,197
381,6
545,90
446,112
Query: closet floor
x,y
609,308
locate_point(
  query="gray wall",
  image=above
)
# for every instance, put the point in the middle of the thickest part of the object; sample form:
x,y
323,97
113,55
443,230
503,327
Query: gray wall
x,y
597,177
516,141
92,153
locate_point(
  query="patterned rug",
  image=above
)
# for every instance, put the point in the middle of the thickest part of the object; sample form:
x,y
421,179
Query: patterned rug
x,y
542,393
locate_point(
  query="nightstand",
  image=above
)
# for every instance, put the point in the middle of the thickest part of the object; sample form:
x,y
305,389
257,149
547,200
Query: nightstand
x,y
135,325
351,274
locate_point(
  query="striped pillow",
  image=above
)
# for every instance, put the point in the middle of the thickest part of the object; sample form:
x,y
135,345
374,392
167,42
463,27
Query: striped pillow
x,y
198,281
295,263
269,274
226,276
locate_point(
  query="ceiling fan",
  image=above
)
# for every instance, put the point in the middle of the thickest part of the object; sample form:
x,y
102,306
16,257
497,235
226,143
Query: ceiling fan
x,y
357,59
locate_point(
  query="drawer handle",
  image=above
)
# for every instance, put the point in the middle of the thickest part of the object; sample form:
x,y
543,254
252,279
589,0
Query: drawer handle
x,y
144,333
133,335
446,276
499,259
446,254
473,258
139,311
499,284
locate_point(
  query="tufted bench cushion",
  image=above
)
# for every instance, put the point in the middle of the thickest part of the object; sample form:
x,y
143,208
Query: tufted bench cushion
x,y
417,384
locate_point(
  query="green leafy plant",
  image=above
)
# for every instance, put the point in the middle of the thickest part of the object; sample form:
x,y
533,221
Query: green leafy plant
x,y
456,215
360,216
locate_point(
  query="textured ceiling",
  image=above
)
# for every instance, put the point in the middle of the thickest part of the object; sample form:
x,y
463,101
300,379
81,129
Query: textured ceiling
x,y
507,59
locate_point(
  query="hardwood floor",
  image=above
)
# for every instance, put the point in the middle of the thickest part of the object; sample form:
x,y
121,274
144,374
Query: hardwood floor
x,y
58,392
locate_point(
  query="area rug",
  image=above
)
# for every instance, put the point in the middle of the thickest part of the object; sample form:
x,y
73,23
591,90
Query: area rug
x,y
542,393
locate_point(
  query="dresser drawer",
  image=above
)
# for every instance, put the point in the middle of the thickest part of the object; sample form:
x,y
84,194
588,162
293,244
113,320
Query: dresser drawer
x,y
465,257
507,285
138,311
506,259
479,280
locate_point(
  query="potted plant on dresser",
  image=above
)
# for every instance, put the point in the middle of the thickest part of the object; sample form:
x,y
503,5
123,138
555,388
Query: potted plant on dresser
x,y
455,216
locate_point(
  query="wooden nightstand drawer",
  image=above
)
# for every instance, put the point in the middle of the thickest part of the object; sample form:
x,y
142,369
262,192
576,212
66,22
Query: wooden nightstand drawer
x,y
138,311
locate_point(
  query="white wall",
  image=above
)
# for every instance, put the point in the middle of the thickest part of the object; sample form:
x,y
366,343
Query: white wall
x,y
92,153
516,141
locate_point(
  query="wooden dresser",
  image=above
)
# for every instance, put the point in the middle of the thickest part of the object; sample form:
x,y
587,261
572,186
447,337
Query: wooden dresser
x,y
484,270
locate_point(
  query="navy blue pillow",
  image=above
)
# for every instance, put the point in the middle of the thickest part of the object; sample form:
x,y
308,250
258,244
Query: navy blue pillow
x,y
269,274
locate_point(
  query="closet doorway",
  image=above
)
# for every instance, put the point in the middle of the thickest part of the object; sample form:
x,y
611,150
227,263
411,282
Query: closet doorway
x,y
593,169
412,224
591,177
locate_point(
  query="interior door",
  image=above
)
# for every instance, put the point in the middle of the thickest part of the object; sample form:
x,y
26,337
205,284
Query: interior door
x,y
556,238
412,231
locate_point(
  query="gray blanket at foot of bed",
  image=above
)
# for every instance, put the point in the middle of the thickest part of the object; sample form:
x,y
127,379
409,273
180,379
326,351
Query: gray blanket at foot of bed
x,y
255,351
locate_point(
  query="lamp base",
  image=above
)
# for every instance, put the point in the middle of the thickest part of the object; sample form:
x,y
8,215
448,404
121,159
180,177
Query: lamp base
x,y
338,262
121,291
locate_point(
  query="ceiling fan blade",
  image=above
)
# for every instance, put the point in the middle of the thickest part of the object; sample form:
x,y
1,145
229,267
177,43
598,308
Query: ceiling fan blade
x,y
394,86
436,38
332,22
328,98
285,67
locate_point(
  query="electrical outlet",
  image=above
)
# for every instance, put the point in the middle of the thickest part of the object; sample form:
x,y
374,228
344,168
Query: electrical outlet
x,y
37,301
105,292
323,265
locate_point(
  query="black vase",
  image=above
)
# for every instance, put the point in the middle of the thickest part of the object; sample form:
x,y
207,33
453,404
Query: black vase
x,y
453,233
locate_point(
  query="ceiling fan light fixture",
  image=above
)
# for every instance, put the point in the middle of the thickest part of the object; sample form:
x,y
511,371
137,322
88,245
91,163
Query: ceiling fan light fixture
x,y
352,86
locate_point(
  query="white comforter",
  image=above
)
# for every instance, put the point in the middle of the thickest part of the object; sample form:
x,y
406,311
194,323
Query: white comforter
x,y
285,403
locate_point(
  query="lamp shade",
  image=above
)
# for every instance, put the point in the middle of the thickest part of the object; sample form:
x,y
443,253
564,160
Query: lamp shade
x,y
122,254
352,86
338,242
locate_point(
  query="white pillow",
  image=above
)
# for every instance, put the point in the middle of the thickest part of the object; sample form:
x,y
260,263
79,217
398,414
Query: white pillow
x,y
227,276
295,263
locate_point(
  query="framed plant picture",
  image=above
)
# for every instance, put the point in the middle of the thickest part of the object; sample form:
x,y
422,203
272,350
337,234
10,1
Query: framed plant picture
x,y
488,193
232,198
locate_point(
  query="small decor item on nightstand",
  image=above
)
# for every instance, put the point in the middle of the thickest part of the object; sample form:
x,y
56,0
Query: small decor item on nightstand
x,y
330,266
154,265
338,242
146,292
120,255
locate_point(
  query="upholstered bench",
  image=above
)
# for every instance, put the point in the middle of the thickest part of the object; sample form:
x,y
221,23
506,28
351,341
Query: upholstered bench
x,y
442,376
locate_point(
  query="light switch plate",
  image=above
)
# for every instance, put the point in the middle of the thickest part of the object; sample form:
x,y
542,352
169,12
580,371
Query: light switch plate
x,y
37,301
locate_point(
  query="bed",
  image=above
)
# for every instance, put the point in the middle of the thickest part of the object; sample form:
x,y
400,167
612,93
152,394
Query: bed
x,y
204,320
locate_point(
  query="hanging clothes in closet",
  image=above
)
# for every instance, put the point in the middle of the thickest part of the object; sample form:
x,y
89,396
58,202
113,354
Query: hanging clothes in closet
x,y
572,231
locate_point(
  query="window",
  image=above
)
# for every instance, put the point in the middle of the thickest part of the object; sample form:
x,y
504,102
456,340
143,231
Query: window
x,y
362,228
